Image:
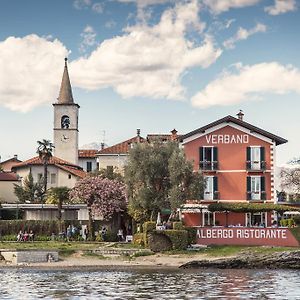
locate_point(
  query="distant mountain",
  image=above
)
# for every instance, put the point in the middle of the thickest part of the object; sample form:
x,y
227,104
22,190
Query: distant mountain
x,y
91,146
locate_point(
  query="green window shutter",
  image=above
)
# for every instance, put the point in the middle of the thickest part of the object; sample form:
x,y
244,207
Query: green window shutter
x,y
201,154
263,184
248,153
248,184
215,149
262,154
216,189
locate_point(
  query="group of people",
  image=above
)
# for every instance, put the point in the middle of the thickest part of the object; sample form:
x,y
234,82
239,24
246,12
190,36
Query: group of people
x,y
25,236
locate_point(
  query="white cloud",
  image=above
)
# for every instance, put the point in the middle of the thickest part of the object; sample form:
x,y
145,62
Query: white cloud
x,y
88,38
30,71
248,83
281,7
82,4
142,13
219,6
98,7
243,34
148,60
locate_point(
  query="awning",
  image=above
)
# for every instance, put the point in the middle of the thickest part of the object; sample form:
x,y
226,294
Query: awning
x,y
291,213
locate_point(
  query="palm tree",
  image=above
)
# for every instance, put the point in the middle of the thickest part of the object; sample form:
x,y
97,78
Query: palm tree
x,y
44,150
58,196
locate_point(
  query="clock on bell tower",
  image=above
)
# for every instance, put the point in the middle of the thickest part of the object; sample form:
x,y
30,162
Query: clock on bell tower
x,y
66,122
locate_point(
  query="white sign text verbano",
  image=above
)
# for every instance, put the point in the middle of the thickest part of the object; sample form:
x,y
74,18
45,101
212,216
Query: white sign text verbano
x,y
227,138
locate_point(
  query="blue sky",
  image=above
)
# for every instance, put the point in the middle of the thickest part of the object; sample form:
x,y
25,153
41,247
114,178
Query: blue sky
x,y
149,64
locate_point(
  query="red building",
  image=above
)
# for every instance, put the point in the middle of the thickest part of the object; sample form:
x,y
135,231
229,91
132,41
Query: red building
x,y
238,161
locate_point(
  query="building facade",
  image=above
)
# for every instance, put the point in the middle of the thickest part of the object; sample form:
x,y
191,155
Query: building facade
x,y
237,160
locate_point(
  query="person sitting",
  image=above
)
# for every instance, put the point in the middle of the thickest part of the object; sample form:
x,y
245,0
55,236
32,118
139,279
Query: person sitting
x,y
31,236
25,236
20,236
120,235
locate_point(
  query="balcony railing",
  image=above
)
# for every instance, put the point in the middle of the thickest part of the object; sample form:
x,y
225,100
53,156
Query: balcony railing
x,y
252,196
209,165
255,166
211,195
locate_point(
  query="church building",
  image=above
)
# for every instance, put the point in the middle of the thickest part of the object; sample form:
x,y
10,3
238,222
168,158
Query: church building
x,y
63,168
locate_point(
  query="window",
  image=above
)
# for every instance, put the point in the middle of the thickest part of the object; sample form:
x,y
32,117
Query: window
x,y
208,218
65,122
53,178
69,176
211,189
256,219
256,158
208,158
88,166
256,188
39,176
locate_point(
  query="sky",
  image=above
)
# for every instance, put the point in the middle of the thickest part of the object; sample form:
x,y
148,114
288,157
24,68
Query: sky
x,y
149,64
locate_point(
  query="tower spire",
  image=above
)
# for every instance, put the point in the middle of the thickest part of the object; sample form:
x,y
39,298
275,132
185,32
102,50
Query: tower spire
x,y
65,92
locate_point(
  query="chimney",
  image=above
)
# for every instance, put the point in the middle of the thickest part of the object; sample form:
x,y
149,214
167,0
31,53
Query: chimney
x,y
102,146
138,133
16,156
174,135
240,115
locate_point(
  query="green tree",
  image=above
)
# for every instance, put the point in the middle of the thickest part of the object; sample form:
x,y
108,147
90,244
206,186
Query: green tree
x,y
58,196
109,173
159,176
29,191
45,150
103,197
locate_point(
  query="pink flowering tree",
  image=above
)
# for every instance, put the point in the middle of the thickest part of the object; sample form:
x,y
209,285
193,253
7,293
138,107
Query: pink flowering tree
x,y
103,197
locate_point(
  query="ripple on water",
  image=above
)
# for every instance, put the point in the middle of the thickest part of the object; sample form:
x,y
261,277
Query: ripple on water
x,y
166,284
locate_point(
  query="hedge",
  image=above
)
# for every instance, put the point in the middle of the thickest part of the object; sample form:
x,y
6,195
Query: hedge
x,y
179,238
250,207
178,226
296,233
39,228
138,239
148,227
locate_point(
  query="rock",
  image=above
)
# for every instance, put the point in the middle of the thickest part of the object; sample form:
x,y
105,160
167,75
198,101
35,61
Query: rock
x,y
275,260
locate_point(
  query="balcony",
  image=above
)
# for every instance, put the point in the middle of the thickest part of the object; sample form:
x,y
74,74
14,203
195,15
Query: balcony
x,y
211,195
209,165
256,196
255,166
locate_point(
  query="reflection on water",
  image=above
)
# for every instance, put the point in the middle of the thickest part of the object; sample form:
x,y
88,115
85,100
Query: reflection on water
x,y
166,284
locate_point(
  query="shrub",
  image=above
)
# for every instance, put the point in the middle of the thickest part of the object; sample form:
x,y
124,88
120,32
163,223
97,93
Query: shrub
x,y
111,236
297,219
287,222
149,227
192,235
138,239
158,241
179,238
178,226
296,233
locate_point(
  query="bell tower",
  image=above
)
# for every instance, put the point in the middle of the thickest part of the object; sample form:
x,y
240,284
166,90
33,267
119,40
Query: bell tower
x,y
65,131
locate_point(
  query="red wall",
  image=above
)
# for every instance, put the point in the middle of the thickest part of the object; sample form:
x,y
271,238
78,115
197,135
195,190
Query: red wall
x,y
231,185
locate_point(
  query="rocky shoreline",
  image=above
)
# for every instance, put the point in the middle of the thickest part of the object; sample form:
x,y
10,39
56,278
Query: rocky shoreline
x,y
275,260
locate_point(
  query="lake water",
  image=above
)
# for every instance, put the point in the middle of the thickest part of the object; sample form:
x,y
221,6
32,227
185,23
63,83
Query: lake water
x,y
162,284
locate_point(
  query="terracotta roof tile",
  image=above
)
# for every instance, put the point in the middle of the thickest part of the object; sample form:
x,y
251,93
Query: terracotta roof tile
x,y
74,171
37,161
122,148
60,163
8,176
87,153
